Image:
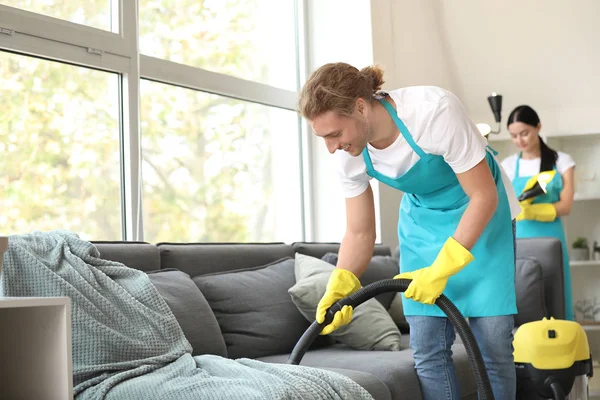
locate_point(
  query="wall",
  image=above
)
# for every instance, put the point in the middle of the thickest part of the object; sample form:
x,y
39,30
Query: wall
x,y
540,52
408,43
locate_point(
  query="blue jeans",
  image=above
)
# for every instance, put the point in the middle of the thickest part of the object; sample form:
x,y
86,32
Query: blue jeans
x,y
431,339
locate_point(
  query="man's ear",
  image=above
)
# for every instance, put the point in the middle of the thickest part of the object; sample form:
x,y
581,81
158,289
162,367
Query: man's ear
x,y
361,106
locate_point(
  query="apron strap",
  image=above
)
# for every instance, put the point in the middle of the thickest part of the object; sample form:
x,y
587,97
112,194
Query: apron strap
x,y
517,167
368,161
402,128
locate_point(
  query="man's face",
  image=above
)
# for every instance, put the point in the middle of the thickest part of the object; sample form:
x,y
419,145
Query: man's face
x,y
350,134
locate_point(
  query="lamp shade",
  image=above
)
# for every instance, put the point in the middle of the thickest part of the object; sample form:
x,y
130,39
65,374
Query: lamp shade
x,y
495,101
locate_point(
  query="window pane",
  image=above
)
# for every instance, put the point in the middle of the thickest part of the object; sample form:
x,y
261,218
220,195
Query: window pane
x,y
252,39
59,146
217,169
94,13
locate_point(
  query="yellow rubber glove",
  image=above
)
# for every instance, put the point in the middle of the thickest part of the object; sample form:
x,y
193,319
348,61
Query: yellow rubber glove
x,y
543,212
342,283
545,177
428,283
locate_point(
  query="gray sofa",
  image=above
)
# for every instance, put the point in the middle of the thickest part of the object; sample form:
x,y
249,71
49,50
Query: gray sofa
x,y
231,300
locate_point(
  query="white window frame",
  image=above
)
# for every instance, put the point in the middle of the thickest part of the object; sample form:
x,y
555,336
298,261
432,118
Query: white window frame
x,y
43,36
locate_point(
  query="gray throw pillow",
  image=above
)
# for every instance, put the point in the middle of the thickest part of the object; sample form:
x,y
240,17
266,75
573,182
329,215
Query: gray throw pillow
x,y
197,321
254,310
529,287
380,267
371,327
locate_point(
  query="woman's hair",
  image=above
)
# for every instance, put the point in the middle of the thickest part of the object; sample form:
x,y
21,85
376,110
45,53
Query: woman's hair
x,y
336,87
527,115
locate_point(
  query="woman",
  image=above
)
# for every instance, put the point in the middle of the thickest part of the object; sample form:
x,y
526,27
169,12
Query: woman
x,y
455,227
542,216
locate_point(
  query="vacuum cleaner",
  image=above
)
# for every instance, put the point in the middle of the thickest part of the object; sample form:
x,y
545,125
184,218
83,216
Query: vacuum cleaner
x,y
552,357
553,360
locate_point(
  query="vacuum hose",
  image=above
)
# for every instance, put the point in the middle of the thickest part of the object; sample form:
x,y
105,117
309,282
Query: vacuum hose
x,y
365,293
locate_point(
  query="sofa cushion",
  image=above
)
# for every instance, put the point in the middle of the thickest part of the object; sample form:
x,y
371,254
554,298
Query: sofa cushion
x,y
529,286
396,311
394,368
376,388
138,255
197,321
254,310
208,258
380,267
312,275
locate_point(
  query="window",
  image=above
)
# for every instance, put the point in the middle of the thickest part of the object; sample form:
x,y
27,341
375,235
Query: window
x,y
252,39
218,169
59,146
95,13
180,126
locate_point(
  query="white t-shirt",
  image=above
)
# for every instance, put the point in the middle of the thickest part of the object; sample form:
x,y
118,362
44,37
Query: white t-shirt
x,y
532,167
438,123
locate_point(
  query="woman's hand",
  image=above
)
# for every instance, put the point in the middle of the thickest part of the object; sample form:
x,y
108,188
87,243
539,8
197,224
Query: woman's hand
x,y
543,212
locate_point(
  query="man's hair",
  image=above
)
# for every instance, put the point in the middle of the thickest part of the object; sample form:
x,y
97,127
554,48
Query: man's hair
x,y
336,87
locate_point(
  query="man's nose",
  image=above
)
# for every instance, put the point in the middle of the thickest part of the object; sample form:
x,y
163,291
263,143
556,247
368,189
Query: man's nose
x,y
332,146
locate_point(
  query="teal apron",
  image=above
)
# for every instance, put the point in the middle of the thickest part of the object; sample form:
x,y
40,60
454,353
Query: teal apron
x,y
529,229
431,207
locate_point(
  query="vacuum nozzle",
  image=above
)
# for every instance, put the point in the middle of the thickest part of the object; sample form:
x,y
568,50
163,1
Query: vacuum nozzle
x,y
536,190
540,187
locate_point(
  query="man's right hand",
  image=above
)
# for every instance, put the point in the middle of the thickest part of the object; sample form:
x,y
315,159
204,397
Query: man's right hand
x,y
342,283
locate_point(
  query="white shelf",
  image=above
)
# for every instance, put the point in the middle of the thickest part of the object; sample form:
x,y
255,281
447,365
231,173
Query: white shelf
x,y
586,196
35,348
590,327
587,263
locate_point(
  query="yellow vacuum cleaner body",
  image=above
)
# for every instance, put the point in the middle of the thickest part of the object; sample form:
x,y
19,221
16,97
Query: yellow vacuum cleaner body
x,y
549,356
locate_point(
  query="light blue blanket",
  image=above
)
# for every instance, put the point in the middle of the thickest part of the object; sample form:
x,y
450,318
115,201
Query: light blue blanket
x,y
127,344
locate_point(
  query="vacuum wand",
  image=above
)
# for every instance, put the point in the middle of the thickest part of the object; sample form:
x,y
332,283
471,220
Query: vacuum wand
x,y
365,293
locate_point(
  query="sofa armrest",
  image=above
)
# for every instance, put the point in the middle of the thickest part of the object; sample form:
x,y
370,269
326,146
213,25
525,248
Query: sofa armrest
x,y
547,251
3,249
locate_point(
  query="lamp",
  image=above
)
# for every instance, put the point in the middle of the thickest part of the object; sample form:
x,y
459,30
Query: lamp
x,y
495,101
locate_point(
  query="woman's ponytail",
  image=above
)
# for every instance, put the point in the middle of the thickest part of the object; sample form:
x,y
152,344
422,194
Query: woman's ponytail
x,y
549,156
